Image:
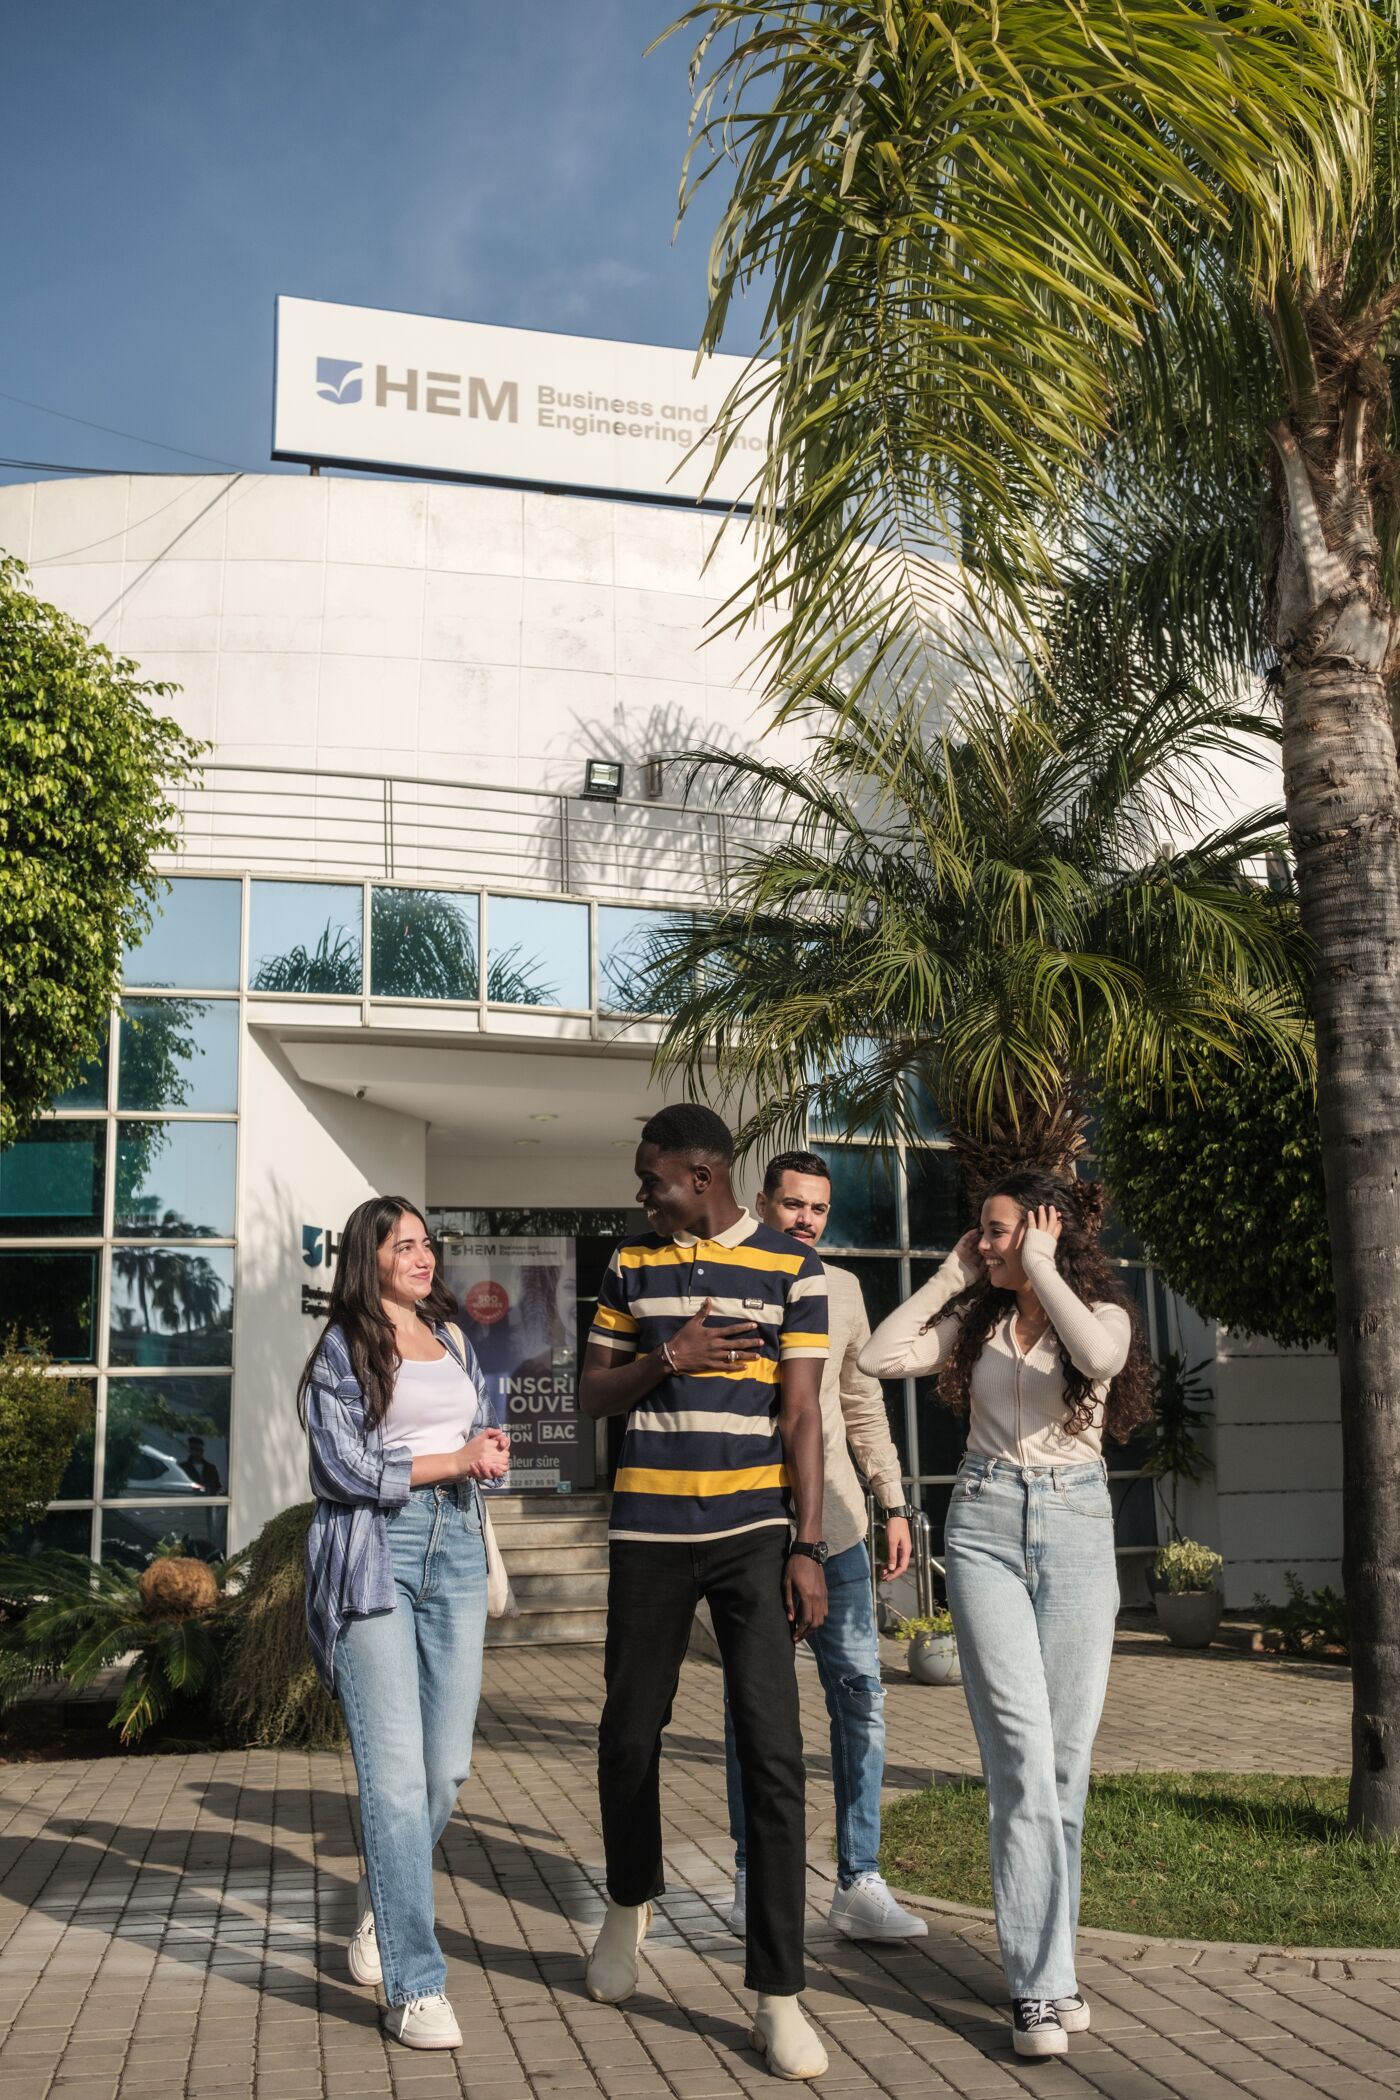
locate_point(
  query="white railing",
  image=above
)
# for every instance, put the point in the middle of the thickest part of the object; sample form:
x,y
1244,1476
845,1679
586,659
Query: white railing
x,y
290,820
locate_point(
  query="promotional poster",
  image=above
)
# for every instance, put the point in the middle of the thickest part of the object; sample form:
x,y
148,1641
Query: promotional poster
x,y
518,1308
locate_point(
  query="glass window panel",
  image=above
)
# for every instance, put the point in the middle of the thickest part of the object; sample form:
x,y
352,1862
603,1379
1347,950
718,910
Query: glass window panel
x,y
1120,1242
171,1305
938,1210
922,1112
51,1182
89,1089
305,937
53,1298
627,946
194,939
76,1484
62,1531
179,1053
166,1439
838,1120
1135,1516
942,1434
935,1499
423,945
862,1197
130,1536
538,953
175,1180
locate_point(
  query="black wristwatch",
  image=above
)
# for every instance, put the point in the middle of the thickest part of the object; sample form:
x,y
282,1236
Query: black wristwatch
x,y
901,1509
815,1549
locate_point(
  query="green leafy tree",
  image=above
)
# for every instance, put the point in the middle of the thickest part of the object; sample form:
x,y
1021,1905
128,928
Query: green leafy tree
x,y
1114,288
1248,1245
86,773
41,1419
987,916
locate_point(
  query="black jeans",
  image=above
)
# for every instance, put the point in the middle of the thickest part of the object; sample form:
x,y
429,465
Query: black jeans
x,y
653,1589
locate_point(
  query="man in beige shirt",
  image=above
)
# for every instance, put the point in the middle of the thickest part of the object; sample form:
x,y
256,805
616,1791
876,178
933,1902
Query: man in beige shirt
x,y
796,1198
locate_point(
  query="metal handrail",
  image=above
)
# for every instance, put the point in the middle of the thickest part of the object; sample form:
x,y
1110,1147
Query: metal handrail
x,y
923,1561
403,827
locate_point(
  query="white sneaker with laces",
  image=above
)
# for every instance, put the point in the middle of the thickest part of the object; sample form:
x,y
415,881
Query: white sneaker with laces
x,y
739,1908
867,1911
424,2023
363,1950
1036,2028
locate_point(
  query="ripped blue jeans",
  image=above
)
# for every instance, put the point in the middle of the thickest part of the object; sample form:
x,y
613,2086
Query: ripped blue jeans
x,y
848,1663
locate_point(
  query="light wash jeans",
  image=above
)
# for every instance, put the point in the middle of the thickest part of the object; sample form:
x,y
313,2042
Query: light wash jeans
x,y
1033,1589
848,1664
408,1682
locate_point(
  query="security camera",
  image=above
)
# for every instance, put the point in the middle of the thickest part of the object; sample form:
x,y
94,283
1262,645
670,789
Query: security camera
x,y
360,1092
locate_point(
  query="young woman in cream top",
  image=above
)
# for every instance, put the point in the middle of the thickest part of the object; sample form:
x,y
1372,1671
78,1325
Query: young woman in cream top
x,y
1033,1338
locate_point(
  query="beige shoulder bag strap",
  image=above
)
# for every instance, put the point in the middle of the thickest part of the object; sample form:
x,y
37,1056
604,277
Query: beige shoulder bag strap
x,y
500,1598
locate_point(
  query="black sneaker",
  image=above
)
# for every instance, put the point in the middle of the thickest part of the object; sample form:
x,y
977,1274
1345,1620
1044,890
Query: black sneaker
x,y
1073,2012
1036,2029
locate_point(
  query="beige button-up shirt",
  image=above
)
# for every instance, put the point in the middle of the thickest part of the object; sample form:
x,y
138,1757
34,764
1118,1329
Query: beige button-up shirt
x,y
853,1420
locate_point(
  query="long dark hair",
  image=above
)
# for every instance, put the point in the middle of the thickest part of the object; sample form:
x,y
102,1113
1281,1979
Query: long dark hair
x,y
1080,1259
357,1306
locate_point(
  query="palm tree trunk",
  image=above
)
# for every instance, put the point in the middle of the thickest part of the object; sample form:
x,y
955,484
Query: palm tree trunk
x,y
1333,629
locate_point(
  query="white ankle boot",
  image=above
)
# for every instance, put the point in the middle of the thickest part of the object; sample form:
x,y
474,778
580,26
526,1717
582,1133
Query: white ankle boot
x,y
789,2047
611,1974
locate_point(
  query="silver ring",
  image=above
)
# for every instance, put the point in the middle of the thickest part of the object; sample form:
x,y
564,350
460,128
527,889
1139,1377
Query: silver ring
x,y
734,1356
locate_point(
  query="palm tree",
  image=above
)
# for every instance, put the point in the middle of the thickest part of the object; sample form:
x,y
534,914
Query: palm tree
x,y
986,921
1060,290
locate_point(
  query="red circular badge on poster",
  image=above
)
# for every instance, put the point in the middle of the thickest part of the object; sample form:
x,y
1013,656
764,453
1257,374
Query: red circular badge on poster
x,y
487,1303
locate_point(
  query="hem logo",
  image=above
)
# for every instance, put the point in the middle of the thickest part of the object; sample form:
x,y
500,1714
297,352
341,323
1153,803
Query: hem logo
x,y
339,379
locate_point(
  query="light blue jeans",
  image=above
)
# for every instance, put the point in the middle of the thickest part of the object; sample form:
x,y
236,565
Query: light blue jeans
x,y
1033,1589
848,1664
408,1682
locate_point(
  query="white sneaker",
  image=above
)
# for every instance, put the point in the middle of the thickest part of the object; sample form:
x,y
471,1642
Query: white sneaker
x,y
1074,2013
1036,2028
783,2039
363,1950
738,1909
424,2023
867,1911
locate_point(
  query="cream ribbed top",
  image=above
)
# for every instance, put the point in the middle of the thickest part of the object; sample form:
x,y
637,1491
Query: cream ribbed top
x,y
1018,1395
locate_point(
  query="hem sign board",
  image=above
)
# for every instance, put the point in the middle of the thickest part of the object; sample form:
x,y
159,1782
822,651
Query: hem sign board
x,y
359,386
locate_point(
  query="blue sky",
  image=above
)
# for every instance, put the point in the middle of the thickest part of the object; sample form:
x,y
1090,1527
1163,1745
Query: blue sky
x,y
169,168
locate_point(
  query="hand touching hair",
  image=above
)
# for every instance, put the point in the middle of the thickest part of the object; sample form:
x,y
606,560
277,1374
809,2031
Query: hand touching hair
x,y
1080,1259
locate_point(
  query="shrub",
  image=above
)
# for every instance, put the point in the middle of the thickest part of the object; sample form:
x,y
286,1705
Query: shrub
x,y
940,1622
1186,1565
41,1418
270,1693
1225,1193
1310,1622
86,770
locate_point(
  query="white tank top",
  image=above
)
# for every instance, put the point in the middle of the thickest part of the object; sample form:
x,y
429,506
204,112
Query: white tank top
x,y
433,1408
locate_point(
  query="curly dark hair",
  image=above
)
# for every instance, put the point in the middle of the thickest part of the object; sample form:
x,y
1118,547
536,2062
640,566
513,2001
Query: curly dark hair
x,y
1080,1259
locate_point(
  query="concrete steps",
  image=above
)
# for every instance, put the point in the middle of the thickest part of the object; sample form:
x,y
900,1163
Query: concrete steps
x,y
556,1552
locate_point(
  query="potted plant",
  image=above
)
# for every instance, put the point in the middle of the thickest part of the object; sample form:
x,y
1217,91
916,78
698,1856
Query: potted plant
x,y
933,1647
1188,1603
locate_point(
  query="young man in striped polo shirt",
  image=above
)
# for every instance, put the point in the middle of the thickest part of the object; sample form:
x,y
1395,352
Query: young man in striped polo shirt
x,y
710,1337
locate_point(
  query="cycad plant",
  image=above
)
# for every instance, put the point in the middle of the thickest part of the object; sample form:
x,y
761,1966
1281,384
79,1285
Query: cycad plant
x,y
67,1620
987,919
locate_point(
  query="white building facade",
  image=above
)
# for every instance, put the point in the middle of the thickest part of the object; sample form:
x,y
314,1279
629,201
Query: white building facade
x,y
397,954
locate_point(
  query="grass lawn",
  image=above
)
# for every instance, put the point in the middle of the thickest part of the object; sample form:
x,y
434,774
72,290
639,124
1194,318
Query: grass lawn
x,y
1203,1855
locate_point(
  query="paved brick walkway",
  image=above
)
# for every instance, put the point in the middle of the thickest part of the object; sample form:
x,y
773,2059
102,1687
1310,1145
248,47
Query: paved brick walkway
x,y
172,1928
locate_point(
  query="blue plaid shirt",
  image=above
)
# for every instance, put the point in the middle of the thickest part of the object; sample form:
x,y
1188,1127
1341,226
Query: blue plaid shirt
x,y
355,1479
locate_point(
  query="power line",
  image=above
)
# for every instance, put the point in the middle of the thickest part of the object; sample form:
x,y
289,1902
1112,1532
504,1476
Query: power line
x,y
63,466
111,431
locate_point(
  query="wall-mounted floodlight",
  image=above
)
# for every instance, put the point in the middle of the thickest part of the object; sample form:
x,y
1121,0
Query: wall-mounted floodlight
x,y
602,780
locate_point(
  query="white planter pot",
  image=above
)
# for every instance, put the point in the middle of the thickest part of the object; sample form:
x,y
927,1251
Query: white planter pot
x,y
933,1659
1189,1618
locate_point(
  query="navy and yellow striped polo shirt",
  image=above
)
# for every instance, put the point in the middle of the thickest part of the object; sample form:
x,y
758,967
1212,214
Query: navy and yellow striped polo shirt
x,y
701,1457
